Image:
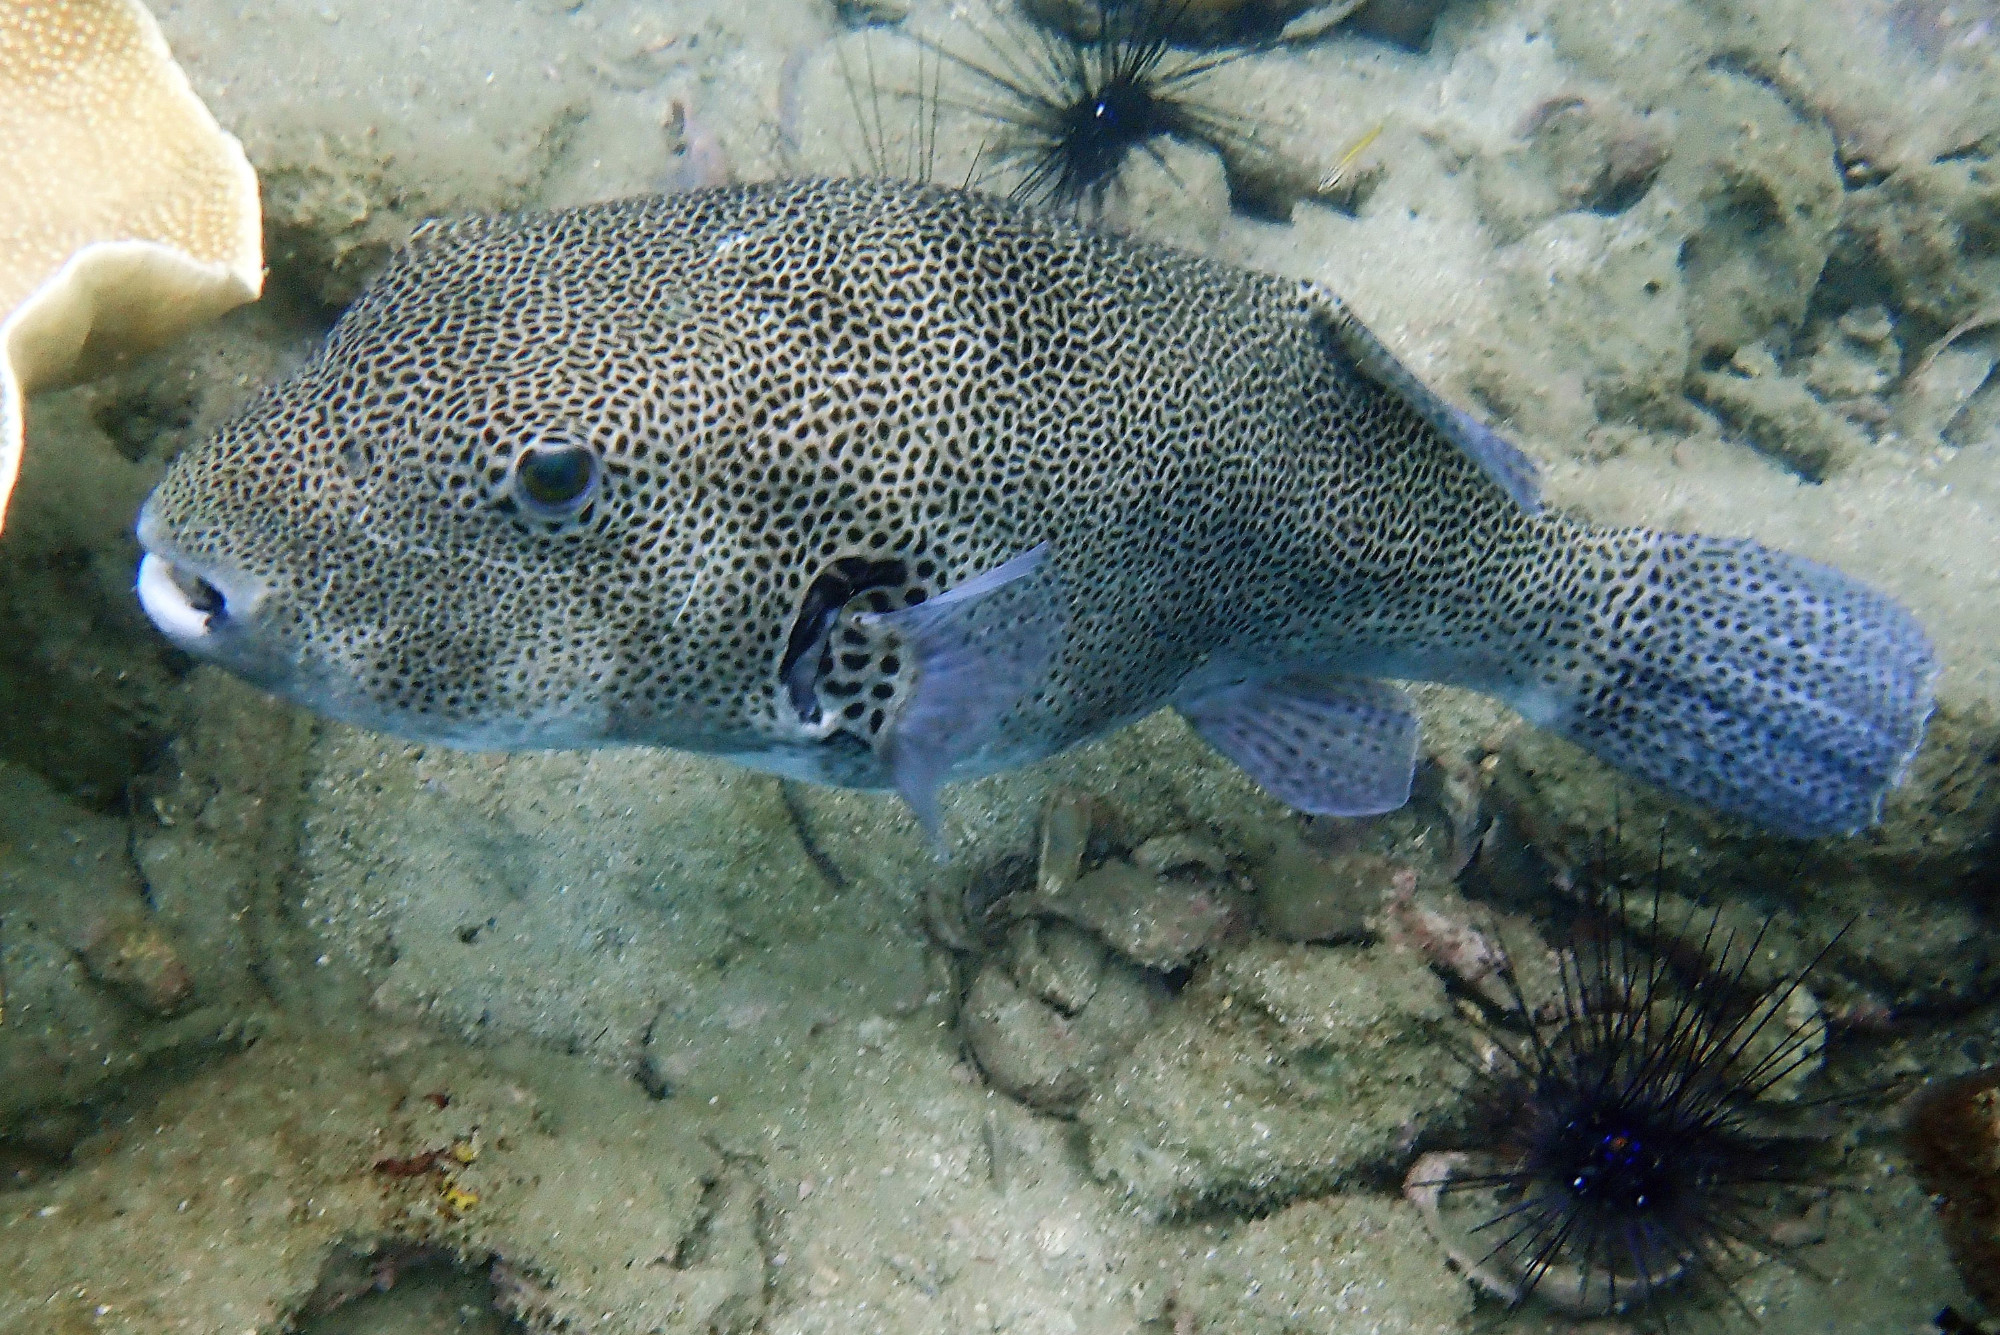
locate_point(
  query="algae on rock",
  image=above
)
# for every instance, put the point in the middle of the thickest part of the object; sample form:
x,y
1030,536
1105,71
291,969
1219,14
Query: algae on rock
x,y
221,1209
1340,1263
1762,197
1283,1071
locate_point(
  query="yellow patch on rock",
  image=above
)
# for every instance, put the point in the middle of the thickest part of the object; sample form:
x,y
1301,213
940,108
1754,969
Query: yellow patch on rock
x,y
130,214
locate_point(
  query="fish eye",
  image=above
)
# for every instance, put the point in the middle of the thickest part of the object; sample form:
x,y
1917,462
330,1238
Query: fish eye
x,y
553,479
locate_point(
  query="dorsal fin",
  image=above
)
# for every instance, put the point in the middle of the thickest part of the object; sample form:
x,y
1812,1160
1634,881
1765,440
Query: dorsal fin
x,y
1513,471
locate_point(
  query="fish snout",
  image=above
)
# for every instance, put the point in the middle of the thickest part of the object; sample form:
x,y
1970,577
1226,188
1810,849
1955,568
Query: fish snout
x,y
185,604
202,606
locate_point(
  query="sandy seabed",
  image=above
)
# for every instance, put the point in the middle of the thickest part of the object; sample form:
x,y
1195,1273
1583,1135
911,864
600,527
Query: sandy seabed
x,y
307,1029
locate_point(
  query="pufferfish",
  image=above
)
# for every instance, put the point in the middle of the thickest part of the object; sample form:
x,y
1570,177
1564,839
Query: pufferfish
x,y
889,485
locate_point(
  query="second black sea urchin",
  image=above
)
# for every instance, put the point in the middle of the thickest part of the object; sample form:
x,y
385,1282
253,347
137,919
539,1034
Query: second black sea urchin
x,y
1074,107
1638,1142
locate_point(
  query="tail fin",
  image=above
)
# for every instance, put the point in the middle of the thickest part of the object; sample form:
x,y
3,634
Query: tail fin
x,y
1754,682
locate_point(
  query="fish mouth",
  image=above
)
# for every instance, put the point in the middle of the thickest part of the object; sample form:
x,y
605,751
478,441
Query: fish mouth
x,y
203,607
183,604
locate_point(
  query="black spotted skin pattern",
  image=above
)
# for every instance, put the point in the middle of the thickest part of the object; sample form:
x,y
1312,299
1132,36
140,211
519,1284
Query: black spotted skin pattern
x,y
781,377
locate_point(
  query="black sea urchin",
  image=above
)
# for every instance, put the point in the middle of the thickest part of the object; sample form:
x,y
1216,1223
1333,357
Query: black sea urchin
x,y
1639,1145
1072,109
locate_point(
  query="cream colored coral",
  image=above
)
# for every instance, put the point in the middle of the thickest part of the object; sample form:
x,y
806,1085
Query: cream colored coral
x,y
129,214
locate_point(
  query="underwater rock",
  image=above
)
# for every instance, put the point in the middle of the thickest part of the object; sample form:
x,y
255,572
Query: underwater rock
x,y
1182,855
39,1146
1923,234
1068,819
1077,977
1761,964
1172,900
66,866
1198,21
95,983
87,696
1912,939
130,941
1499,957
1580,153
1160,922
218,836
1759,197
1059,963
63,1036
618,881
1342,1263
68,873
1405,23
360,127
129,950
195,1220
1026,1048
1281,1071
1937,398
1954,1143
1612,294
1174,193
958,909
1855,356
1043,1024
1780,416
340,203
1906,81
1307,894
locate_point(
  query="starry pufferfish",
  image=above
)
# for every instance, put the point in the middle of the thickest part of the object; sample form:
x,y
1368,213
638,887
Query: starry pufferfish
x,y
886,485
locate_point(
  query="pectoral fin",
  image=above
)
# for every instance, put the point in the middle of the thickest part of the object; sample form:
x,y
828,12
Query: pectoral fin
x,y
977,650
1332,746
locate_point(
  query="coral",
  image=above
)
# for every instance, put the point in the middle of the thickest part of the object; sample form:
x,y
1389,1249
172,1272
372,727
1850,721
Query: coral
x,y
132,214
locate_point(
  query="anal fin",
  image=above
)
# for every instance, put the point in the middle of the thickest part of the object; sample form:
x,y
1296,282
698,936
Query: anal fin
x,y
1328,745
1514,472
977,650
